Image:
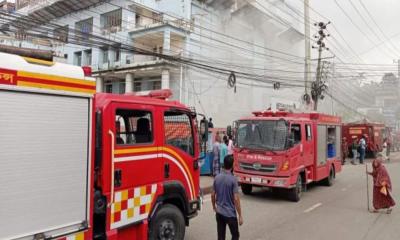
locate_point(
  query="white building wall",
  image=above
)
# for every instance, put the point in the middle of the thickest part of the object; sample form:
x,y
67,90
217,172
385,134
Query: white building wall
x,y
208,92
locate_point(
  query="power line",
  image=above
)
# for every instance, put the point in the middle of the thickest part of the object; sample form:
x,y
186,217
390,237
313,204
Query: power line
x,y
377,25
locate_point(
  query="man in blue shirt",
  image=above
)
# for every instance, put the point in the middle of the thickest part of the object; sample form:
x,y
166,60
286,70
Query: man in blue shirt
x,y
363,147
226,202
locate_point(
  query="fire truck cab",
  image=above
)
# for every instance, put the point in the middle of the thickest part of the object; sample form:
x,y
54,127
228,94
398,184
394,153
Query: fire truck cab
x,y
80,165
284,150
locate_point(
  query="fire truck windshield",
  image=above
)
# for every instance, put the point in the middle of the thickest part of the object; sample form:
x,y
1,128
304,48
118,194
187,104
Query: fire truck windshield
x,y
262,134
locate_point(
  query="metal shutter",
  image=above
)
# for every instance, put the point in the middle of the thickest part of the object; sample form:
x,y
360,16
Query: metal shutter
x,y
43,163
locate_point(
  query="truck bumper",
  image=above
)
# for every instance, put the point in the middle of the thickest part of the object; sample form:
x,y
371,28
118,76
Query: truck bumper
x,y
194,207
265,181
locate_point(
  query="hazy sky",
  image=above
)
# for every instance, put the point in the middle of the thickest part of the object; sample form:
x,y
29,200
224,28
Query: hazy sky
x,y
386,13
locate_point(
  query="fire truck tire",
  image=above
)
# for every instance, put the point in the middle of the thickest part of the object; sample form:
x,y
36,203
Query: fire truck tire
x,y
295,193
329,180
167,223
246,188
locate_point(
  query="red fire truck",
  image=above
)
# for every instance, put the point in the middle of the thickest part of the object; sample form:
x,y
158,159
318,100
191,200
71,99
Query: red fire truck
x,y
284,150
374,133
79,165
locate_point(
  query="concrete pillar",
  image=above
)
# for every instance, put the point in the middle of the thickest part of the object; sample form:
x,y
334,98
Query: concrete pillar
x,y
167,42
129,78
99,84
165,79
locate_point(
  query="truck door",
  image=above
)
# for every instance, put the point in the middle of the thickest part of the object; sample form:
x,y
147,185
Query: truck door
x,y
179,152
308,144
296,151
136,167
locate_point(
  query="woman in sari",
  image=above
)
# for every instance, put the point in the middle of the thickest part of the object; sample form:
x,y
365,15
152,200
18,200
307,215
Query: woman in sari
x,y
382,198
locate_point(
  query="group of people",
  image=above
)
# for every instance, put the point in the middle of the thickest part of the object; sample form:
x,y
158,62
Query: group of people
x,y
221,148
358,149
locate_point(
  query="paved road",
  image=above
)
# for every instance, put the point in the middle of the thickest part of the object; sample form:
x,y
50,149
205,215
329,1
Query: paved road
x,y
337,212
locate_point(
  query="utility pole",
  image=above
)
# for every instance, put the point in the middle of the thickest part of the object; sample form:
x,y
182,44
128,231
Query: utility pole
x,y
318,87
307,48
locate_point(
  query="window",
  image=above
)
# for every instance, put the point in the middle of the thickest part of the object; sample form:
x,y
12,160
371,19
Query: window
x,y
109,87
308,132
137,86
178,131
156,85
112,21
78,58
61,34
332,141
133,127
295,133
121,87
117,55
88,58
104,55
84,28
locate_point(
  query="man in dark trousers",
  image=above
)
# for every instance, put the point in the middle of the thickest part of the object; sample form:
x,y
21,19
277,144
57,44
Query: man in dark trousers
x,y
226,202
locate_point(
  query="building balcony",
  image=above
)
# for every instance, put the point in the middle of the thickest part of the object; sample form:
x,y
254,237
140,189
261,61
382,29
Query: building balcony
x,y
46,10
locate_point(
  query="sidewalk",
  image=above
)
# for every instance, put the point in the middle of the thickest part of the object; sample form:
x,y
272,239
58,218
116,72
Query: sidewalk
x,y
206,183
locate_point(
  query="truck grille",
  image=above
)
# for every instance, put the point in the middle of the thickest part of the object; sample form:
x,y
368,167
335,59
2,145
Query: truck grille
x,y
258,167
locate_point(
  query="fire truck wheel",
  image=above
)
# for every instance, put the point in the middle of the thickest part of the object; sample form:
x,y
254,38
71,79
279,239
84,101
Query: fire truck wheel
x,y
295,193
246,188
167,224
329,180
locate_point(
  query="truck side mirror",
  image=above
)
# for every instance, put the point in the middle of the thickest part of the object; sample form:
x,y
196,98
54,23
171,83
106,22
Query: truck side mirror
x,y
290,142
229,130
204,130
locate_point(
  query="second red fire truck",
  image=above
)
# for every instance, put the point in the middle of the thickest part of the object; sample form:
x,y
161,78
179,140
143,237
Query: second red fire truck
x,y
284,150
374,133
76,165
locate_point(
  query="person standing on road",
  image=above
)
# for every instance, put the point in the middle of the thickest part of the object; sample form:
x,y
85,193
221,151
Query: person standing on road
x,y
382,196
345,150
226,202
216,152
354,147
363,147
230,145
223,151
384,150
210,123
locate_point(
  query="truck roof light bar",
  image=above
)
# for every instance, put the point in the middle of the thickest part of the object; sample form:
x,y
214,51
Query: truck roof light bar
x,y
157,94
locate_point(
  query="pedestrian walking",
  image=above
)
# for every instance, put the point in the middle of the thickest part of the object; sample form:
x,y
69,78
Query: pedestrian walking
x,y
210,123
230,145
345,150
226,202
354,149
216,154
223,150
384,149
388,148
363,147
382,186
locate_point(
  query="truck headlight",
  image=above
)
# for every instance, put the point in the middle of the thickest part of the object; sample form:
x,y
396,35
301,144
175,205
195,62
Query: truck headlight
x,y
280,183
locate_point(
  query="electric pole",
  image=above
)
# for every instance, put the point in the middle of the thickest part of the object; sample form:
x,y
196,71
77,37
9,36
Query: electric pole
x,y
307,55
318,87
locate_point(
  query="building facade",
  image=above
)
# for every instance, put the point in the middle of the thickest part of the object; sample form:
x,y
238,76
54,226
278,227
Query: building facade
x,y
199,36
